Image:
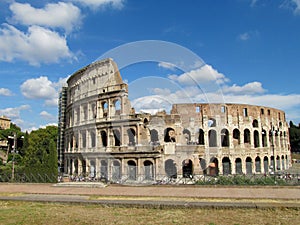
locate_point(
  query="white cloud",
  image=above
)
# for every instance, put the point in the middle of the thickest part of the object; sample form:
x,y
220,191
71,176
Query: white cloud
x,y
293,5
5,92
167,65
250,88
47,116
116,4
296,6
38,45
42,88
205,74
248,35
54,15
14,113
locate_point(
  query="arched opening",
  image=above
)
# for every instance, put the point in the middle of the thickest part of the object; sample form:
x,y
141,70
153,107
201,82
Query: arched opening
x,y
257,165
272,166
132,170
83,167
282,163
131,137
148,170
117,105
225,138
170,168
236,137
76,166
212,122
93,139
92,169
104,138
256,139
255,123
238,166
117,137
248,165
187,136
264,138
278,166
83,139
116,170
187,168
105,109
154,136
103,169
213,167
201,137
247,137
203,166
212,138
226,166
170,135
266,164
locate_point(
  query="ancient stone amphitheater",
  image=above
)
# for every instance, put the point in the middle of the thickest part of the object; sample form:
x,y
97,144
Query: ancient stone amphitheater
x,y
101,135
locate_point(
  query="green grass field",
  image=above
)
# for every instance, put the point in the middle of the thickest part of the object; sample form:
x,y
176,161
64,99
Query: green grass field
x,y
53,213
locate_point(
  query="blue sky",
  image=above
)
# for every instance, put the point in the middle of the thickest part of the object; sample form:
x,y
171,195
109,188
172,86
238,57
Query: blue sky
x,y
251,48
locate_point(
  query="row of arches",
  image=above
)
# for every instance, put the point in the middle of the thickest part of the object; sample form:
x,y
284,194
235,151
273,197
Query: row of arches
x,y
116,170
255,138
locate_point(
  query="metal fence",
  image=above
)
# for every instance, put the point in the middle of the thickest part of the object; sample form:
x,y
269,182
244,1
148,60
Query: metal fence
x,y
198,179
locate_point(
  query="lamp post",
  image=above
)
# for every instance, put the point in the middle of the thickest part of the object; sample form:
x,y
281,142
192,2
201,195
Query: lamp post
x,y
273,148
13,152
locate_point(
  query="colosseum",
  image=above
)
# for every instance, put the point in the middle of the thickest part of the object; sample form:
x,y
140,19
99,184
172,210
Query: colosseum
x,y
101,135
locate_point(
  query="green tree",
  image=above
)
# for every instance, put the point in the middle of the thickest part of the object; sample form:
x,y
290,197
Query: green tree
x,y
41,155
294,132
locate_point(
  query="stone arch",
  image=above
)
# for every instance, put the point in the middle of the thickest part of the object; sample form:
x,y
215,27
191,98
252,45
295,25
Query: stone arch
x,y
84,167
187,168
117,137
169,135
132,170
278,166
93,138
247,137
236,137
256,139
248,165
201,137
225,138
92,168
154,136
213,167
257,165
212,138
238,166
272,163
266,164
226,164
171,168
187,135
116,170
264,138
203,165
255,123
131,137
148,170
105,108
104,138
76,166
103,169
117,106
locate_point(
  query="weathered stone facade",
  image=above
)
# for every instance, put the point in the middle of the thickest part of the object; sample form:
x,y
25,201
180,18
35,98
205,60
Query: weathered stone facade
x,y
104,137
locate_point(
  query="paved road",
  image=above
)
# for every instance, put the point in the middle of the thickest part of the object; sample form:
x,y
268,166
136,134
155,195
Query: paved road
x,y
183,195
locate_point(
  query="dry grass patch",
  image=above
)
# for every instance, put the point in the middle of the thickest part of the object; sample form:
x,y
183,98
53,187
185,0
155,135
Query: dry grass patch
x,y
54,213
